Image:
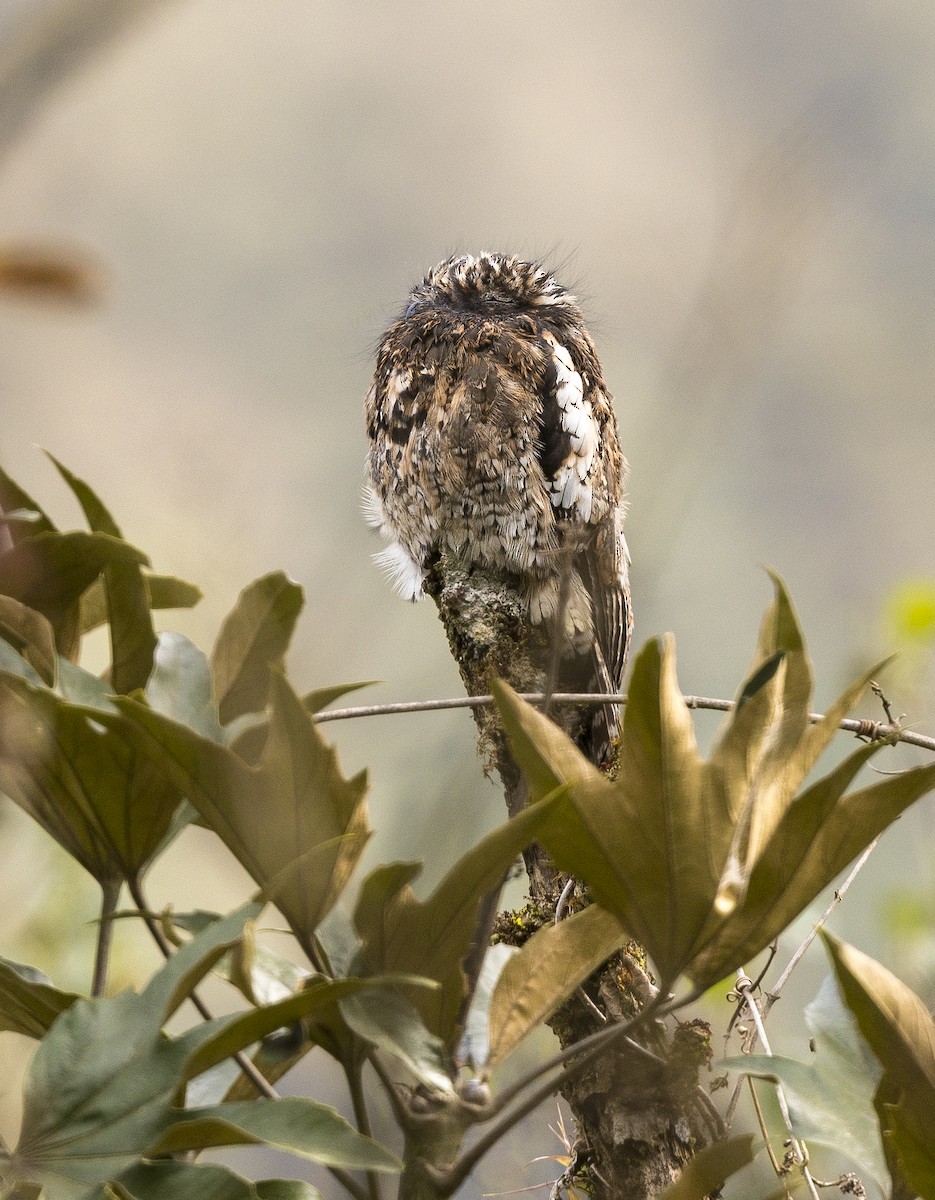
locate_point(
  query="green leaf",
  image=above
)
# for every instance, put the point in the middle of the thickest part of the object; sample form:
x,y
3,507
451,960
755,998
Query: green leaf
x,y
12,663
543,974
646,846
166,591
911,1126
49,572
387,1020
246,735
322,697
901,1033
710,1168
474,1048
293,821
295,1124
769,746
162,591
23,1190
13,498
243,1029
176,980
203,1181
80,687
20,516
822,831
263,976
431,938
31,635
253,639
180,686
28,1001
99,797
892,1018
706,862
843,1066
101,1086
132,636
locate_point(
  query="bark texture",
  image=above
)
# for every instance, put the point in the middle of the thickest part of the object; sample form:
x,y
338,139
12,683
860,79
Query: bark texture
x,y
636,1109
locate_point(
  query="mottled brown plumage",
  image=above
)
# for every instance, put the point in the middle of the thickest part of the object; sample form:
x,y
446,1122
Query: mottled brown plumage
x,y
492,436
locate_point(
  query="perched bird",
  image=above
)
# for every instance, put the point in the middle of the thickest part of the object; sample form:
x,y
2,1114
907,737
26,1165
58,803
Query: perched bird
x,y
493,437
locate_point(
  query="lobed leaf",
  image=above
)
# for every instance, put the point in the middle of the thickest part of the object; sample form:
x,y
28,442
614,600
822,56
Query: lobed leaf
x,y
102,1089
31,635
95,794
28,1002
132,637
821,832
246,735
13,499
816,1111
101,1085
430,938
706,862
50,571
901,1033
293,821
162,591
253,639
649,850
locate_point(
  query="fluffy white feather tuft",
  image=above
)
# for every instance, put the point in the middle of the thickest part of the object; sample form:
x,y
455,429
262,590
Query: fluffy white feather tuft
x,y
405,574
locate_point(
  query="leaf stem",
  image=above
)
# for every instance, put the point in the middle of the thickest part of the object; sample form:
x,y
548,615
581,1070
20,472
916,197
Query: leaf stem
x,y
399,1109
110,893
353,1072
262,1085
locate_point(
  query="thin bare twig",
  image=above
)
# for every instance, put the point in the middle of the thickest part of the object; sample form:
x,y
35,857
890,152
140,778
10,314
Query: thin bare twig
x,y
744,989
773,994
839,893
874,730
599,1040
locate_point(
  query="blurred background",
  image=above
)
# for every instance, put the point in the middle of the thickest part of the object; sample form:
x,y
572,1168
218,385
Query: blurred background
x,y
743,197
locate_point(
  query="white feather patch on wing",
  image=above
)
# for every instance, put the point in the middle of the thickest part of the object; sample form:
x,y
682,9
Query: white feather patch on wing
x,y
396,384
402,570
570,487
374,514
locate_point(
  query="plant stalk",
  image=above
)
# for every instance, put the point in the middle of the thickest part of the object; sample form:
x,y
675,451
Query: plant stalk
x,y
110,893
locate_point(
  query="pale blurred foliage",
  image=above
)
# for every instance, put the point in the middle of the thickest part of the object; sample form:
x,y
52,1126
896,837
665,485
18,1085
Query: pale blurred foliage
x,y
744,197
